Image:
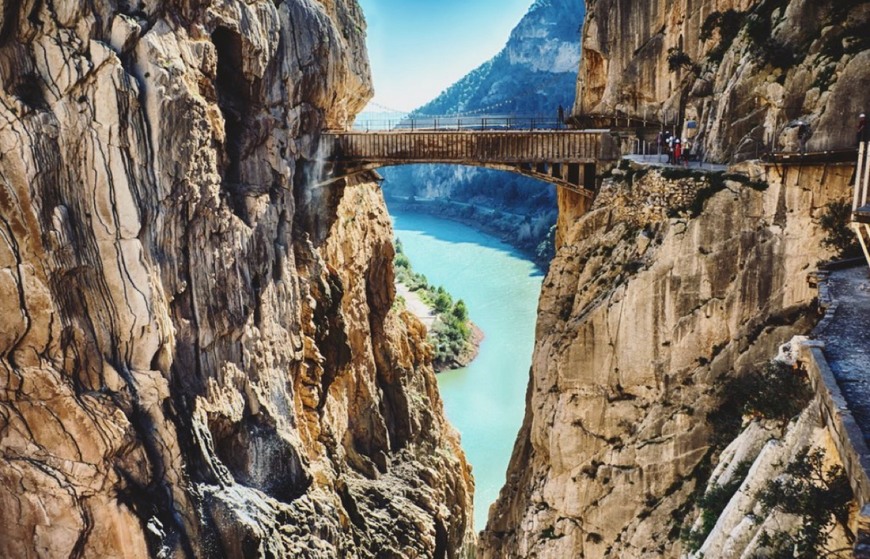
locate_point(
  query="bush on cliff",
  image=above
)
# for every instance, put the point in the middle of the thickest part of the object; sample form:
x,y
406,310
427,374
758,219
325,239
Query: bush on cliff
x,y
819,496
776,391
712,504
838,235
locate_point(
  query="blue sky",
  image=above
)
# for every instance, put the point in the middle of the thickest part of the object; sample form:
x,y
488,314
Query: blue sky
x,y
418,48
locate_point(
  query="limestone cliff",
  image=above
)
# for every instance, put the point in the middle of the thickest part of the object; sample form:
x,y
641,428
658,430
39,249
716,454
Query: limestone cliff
x,y
671,283
199,352
742,69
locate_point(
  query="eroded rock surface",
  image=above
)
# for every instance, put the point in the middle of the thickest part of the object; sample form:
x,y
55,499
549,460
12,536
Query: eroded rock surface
x,y
198,349
762,65
652,300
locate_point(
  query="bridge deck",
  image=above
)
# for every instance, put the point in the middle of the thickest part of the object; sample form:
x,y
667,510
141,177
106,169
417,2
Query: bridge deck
x,y
566,158
474,147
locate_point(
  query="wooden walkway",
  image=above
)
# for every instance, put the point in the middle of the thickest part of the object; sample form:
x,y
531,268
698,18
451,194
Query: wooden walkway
x,y
567,158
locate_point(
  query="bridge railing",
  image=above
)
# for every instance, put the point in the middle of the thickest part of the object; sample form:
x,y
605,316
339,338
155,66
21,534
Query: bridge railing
x,y
458,123
489,146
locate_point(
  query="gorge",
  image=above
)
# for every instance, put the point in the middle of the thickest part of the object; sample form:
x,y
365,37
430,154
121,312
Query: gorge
x,y
200,350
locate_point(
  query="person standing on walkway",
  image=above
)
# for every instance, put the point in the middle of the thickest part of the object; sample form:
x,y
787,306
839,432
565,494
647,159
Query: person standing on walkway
x,y
863,134
678,151
561,116
803,135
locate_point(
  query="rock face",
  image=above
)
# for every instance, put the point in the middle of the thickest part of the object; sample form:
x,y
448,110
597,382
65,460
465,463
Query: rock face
x,y
761,65
668,285
198,348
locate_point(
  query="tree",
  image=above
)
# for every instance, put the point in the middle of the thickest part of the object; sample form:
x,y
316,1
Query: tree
x,y
460,311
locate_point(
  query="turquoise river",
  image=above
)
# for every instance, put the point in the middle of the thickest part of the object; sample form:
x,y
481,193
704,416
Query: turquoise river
x,y
486,400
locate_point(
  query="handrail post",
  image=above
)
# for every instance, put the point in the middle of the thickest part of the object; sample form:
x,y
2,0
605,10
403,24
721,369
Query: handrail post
x,y
866,183
859,170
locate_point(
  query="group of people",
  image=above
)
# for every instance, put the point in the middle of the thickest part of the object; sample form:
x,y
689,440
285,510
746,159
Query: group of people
x,y
675,148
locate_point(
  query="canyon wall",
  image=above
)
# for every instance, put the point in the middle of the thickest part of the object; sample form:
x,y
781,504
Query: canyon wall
x,y
744,76
672,283
199,351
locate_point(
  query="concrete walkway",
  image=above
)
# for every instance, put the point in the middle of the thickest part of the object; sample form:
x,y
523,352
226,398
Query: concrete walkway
x,y
662,161
846,333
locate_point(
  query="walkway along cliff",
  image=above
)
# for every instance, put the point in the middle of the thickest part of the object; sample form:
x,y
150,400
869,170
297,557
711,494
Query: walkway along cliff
x,y
198,352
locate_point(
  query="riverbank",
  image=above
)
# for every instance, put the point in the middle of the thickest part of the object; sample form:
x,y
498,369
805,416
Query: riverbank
x,y
426,314
455,339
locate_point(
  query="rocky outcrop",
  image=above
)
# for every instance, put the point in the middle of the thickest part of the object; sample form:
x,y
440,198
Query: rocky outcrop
x,y
743,70
672,282
764,450
198,348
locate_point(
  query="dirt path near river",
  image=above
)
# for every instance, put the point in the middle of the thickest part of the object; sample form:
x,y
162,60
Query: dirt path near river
x,y
415,305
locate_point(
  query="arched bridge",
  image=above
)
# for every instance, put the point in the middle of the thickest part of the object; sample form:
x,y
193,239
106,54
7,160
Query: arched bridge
x,y
566,158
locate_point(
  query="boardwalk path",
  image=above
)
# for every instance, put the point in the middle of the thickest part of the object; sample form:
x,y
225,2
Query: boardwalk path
x,y
847,340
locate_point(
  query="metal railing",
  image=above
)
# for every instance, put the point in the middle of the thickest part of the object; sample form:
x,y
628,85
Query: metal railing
x,y
487,122
862,176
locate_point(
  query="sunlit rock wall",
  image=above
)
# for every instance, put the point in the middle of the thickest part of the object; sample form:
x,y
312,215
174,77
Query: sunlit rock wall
x,y
650,303
198,348
771,63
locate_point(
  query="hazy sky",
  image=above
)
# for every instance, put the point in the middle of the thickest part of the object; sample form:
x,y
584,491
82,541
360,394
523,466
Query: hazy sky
x,y
418,48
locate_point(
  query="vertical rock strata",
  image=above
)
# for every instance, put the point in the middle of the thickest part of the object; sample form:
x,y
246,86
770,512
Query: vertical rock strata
x,y
198,349
645,309
760,65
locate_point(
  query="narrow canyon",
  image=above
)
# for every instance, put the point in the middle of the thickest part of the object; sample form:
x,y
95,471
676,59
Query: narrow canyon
x,y
200,351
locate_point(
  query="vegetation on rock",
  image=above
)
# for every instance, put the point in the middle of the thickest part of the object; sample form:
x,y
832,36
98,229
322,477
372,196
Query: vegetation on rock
x,y
839,236
819,496
451,334
712,503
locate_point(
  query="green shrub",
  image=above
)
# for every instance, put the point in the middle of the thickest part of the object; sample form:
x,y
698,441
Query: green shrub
x,y
712,504
460,311
773,392
838,235
777,391
678,59
820,497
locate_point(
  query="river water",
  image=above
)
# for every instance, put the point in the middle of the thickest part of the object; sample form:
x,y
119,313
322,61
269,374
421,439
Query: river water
x,y
486,400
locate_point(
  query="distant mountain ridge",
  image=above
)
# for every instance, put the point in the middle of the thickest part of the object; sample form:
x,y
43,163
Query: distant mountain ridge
x,y
535,72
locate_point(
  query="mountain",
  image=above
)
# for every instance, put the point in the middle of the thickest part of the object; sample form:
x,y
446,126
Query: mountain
x,y
533,74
